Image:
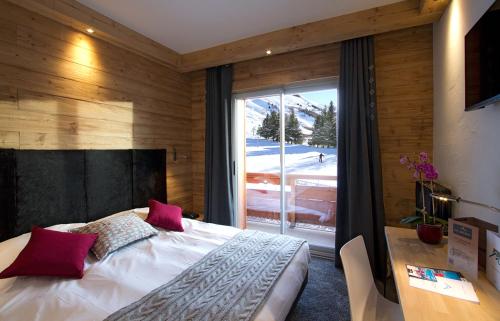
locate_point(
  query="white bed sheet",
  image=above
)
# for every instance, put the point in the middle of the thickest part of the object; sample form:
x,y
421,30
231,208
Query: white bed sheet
x,y
129,274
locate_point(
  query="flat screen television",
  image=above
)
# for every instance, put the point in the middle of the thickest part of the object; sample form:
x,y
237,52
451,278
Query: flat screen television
x,y
482,61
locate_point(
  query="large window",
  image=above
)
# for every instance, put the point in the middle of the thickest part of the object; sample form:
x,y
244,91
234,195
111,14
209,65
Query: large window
x,y
289,162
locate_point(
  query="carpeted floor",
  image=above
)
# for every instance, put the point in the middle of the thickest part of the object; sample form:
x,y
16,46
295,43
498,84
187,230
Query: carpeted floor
x,y
325,296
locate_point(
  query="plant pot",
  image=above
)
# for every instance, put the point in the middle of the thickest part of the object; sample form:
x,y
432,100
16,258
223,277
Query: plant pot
x,y
430,233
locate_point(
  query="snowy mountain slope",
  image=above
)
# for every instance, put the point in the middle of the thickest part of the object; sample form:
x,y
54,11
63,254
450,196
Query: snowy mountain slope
x,y
305,110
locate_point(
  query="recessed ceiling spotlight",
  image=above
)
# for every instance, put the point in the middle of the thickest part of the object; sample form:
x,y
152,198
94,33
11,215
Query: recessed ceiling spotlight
x,y
90,30
268,52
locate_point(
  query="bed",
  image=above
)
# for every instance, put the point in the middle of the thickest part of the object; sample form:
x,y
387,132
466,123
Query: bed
x,y
128,274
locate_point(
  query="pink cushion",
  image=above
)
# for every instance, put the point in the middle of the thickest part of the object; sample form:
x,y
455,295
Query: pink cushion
x,y
165,216
52,253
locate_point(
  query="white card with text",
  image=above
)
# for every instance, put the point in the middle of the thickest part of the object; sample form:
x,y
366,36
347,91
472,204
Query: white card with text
x,y
463,248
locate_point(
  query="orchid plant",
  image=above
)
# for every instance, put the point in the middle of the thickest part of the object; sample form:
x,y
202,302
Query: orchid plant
x,y
422,170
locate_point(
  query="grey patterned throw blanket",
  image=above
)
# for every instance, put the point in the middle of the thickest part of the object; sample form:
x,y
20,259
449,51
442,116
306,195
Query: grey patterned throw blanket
x,y
229,283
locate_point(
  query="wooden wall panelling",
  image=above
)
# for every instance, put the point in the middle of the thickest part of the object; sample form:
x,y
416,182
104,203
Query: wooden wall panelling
x,y
405,102
8,103
74,14
276,70
404,92
46,36
7,31
9,139
60,89
142,71
427,6
15,56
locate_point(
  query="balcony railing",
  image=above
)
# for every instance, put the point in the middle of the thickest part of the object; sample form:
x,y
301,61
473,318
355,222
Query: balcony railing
x,y
310,199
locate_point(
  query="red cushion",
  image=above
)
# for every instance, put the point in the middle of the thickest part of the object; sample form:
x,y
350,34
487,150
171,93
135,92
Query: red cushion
x,y
165,216
52,253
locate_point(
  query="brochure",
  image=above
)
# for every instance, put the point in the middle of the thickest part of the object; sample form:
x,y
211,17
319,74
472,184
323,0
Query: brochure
x,y
444,282
463,248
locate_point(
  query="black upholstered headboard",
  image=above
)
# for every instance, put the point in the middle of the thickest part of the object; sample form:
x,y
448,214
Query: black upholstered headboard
x,y
48,187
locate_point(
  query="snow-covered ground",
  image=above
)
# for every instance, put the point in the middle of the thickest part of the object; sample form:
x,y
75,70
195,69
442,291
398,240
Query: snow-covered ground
x,y
263,156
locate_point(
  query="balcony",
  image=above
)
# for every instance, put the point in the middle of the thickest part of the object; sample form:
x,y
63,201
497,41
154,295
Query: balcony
x,y
310,205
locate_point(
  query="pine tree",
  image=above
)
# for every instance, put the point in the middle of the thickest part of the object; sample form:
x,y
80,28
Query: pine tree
x,y
293,134
324,132
274,126
332,130
263,130
325,129
270,127
316,136
288,138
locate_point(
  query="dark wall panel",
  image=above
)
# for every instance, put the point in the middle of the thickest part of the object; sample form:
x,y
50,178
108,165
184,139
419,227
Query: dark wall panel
x,y
50,188
7,191
148,174
109,182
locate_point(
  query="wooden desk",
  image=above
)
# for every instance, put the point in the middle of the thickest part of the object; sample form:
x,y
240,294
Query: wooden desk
x,y
421,305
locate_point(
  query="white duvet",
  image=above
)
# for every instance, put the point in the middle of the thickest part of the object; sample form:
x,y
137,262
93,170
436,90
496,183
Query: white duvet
x,y
127,275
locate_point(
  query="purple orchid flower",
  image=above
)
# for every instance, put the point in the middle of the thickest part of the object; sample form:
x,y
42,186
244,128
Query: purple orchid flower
x,y
422,168
430,172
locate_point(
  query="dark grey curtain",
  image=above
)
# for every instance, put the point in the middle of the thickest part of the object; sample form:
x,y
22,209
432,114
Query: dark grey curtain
x,y
360,208
218,157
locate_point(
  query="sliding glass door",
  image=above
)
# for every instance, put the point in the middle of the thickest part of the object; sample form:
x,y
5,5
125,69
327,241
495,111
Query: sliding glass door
x,y
287,162
263,170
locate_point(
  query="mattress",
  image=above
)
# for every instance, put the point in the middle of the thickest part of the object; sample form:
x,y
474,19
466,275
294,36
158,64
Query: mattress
x,y
129,274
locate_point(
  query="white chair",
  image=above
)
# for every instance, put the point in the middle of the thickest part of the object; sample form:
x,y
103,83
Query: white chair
x,y
366,303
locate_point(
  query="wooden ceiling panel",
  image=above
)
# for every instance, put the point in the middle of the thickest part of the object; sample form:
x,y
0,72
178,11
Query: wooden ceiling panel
x,y
391,17
400,15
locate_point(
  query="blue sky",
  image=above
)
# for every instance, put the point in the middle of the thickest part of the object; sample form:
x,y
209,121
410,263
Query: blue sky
x,y
322,97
